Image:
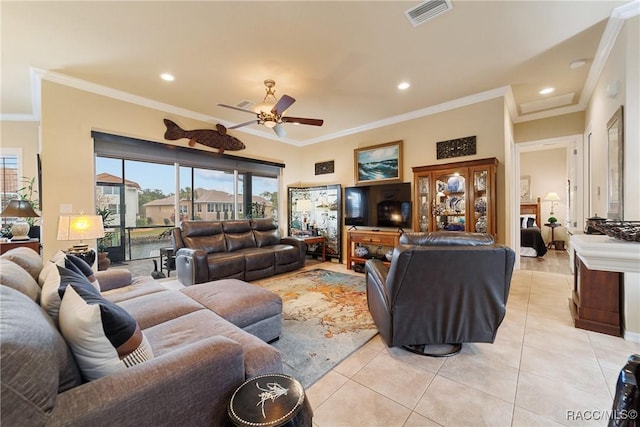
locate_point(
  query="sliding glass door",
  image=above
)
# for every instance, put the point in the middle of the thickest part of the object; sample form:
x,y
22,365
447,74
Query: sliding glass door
x,y
146,199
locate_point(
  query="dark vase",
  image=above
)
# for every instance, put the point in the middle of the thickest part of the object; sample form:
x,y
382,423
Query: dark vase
x,y
34,232
103,261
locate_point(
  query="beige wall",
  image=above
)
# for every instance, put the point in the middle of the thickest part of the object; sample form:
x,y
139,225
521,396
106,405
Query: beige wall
x,y
68,117
485,120
552,127
22,135
621,69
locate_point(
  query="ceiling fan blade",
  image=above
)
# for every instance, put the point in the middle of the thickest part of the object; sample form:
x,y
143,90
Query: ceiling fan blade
x,y
250,122
303,121
279,130
282,105
233,107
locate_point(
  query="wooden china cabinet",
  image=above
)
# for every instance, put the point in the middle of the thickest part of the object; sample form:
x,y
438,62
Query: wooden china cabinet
x,y
457,196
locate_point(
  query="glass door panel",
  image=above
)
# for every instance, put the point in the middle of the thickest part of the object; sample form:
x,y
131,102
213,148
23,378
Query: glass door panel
x,y
264,197
450,202
424,203
480,200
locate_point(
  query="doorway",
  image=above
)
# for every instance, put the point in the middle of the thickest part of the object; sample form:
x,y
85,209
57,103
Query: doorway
x,y
569,186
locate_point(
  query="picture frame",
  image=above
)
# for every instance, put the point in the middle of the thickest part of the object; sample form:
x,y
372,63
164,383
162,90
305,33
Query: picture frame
x,y
615,159
525,189
378,163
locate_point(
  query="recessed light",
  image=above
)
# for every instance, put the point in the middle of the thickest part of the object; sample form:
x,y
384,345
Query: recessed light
x,y
577,63
167,77
546,91
404,86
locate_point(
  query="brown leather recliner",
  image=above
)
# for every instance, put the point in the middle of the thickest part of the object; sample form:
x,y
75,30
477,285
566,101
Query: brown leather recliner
x,y
442,289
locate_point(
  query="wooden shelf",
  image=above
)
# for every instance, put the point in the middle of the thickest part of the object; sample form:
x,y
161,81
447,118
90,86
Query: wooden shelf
x,y
387,239
31,243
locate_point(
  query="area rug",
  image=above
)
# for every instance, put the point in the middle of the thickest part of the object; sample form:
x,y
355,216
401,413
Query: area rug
x,y
325,319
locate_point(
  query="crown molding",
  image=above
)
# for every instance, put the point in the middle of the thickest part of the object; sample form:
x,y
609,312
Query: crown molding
x,y
428,111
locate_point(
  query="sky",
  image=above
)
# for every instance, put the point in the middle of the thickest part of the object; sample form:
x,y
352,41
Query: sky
x,y
154,176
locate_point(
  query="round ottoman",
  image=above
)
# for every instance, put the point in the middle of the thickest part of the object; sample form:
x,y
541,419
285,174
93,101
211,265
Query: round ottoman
x,y
272,400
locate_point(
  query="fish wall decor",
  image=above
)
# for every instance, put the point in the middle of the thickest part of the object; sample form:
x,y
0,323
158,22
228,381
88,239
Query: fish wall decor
x,y
211,138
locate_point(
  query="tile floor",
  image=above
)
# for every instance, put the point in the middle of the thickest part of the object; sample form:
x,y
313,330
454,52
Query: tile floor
x,y
541,371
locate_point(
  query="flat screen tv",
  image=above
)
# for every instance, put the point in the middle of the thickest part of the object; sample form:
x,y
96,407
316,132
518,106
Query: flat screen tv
x,y
384,205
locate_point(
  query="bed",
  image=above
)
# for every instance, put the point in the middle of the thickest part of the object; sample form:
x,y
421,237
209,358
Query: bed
x,y
531,241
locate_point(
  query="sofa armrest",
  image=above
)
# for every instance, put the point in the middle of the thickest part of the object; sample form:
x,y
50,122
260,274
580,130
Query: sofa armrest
x,y
192,266
113,279
299,243
189,386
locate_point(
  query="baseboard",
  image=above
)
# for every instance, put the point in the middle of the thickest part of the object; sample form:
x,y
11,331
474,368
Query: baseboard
x,y
632,336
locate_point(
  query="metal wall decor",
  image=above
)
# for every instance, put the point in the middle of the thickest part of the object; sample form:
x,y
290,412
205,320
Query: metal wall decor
x,y
456,147
323,168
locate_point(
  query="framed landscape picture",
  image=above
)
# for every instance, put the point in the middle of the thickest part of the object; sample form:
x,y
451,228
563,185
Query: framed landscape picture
x,y
378,163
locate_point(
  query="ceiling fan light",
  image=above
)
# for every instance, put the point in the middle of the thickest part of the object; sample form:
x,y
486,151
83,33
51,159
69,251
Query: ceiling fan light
x,y
263,107
270,124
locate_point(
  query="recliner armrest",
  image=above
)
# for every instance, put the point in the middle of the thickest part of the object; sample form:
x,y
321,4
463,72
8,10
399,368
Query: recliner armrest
x,y
376,273
192,266
300,244
377,269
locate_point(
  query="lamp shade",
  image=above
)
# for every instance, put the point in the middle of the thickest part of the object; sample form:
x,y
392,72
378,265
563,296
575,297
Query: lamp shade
x,y
303,205
80,227
552,196
19,209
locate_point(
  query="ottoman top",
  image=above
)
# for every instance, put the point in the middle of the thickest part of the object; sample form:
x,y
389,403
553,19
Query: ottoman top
x,y
266,400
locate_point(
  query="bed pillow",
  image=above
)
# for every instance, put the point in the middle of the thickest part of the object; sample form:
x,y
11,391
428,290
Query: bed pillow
x,y
103,337
527,221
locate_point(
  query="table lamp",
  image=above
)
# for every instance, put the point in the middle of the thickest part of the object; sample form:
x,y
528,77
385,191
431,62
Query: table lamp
x,y
553,198
304,207
19,209
81,227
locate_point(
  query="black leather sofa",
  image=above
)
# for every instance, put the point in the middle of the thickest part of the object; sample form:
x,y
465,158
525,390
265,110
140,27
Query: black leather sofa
x,y
239,249
442,288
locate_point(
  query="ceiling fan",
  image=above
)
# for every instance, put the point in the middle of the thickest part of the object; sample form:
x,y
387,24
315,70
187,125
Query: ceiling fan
x,y
270,112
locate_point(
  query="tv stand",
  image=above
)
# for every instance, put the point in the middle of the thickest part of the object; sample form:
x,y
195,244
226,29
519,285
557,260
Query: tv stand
x,y
387,239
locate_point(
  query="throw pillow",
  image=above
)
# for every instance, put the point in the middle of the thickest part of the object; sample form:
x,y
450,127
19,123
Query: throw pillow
x,y
51,296
103,337
48,267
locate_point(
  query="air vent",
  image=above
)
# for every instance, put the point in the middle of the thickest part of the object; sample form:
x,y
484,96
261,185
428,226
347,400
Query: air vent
x,y
247,105
427,10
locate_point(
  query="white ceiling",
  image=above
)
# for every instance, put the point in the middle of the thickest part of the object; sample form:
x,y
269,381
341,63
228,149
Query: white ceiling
x,y
340,60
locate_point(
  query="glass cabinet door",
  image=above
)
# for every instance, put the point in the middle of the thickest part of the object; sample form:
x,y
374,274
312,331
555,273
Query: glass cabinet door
x,y
450,202
424,203
480,185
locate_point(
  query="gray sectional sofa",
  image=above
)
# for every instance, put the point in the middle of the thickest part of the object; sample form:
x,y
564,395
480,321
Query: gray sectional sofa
x,y
240,249
206,340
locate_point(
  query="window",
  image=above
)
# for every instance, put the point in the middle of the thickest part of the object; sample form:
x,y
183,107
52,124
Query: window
x,y
10,183
146,177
